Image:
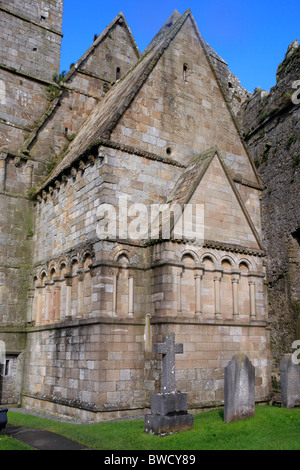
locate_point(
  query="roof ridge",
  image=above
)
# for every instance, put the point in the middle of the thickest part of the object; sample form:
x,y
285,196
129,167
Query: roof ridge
x,y
108,112
173,18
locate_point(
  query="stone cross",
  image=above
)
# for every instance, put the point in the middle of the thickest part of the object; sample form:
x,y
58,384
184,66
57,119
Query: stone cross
x,y
168,350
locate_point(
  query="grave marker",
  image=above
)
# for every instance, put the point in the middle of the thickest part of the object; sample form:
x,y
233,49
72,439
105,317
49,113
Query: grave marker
x,y
168,408
289,382
239,389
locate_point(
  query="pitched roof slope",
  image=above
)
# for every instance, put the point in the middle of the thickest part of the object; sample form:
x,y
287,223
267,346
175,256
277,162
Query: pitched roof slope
x,y
163,30
191,177
105,116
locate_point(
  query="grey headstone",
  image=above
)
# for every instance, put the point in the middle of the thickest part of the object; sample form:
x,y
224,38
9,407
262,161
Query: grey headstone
x,y
239,389
289,382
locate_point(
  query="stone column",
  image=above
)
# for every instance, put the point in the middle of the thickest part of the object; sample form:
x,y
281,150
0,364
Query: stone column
x,y
130,295
179,277
2,170
62,313
52,302
39,305
252,288
80,291
47,302
148,333
198,278
235,281
31,302
57,289
35,305
217,280
115,283
44,297
68,313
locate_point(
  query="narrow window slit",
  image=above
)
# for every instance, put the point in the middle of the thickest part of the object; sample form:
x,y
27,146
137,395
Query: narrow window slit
x,y
185,70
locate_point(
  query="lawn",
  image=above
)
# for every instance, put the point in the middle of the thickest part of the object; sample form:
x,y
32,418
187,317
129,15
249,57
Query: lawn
x,y
7,443
271,428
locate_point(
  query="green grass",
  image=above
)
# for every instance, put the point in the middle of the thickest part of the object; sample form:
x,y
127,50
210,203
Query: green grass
x,y
7,443
271,428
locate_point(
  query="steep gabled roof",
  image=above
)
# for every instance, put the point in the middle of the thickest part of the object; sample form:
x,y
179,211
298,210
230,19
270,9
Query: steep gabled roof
x,y
107,113
118,19
103,119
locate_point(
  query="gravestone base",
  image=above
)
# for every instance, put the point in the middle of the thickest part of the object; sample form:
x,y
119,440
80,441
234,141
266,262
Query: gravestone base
x,y
163,425
168,414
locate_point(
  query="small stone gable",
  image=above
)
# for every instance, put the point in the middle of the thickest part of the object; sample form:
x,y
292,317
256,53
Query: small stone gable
x,y
112,54
207,182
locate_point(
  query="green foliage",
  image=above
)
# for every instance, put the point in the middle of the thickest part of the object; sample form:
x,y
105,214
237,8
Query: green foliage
x,y
71,137
265,156
52,92
296,160
291,140
59,78
31,192
7,443
53,162
272,428
257,162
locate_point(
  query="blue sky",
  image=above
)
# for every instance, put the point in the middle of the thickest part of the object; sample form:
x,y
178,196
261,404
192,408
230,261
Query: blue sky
x,y
251,36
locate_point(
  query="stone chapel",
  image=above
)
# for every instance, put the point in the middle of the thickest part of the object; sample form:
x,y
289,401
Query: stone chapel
x,y
79,313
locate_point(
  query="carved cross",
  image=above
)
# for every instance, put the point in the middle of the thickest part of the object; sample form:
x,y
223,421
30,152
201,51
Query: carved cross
x,y
168,350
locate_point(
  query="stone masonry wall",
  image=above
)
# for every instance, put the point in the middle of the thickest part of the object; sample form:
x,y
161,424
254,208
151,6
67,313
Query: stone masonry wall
x,y
31,44
82,89
178,120
23,101
270,122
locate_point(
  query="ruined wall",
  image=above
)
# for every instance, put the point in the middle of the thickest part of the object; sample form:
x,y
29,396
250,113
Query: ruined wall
x,y
31,36
23,102
270,122
235,94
